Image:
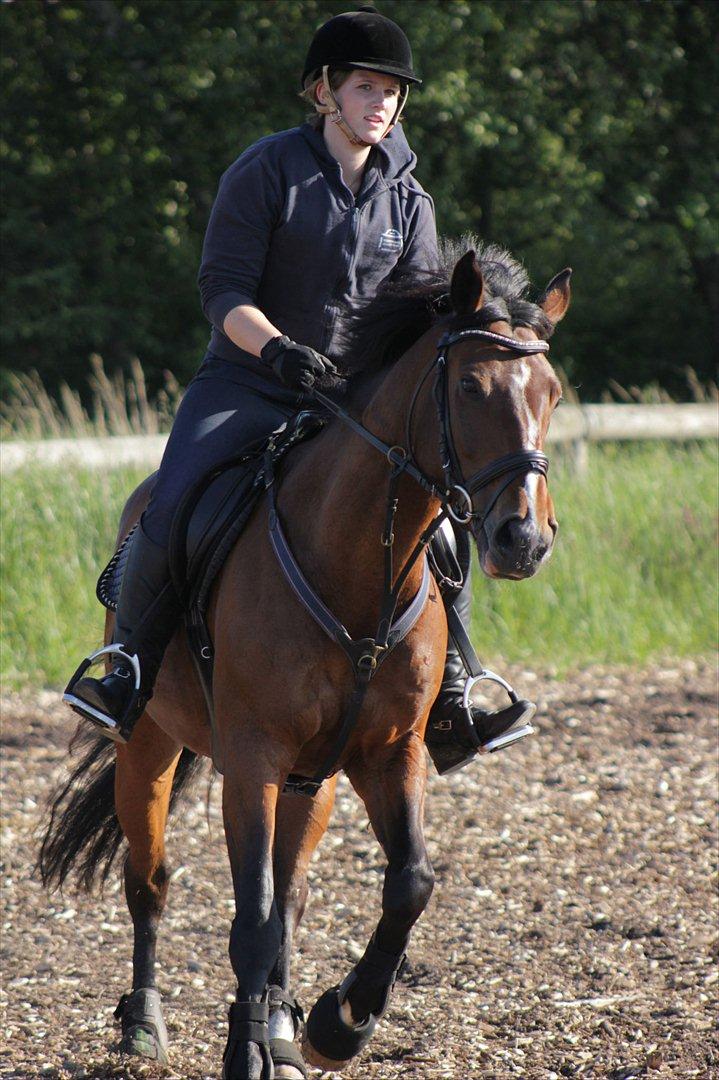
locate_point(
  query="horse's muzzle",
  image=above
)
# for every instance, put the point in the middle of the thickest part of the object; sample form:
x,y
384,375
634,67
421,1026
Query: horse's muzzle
x,y
516,547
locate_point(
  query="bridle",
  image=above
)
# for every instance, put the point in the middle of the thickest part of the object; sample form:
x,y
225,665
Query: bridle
x,y
509,465
457,494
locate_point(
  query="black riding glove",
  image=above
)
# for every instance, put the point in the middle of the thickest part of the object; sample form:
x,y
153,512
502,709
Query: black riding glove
x,y
297,366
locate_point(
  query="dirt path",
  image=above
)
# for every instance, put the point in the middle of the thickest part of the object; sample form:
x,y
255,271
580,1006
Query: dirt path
x,y
572,931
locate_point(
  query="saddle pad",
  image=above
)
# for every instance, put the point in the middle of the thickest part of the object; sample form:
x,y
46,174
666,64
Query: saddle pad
x,y
201,543
108,585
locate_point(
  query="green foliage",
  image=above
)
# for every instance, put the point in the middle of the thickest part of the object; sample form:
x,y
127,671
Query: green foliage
x,y
572,133
632,578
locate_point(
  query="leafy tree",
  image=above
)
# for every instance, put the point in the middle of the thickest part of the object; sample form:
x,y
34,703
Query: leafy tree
x,y
571,132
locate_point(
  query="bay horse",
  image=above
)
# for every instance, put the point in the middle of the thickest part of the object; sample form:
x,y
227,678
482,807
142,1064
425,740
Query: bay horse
x,y
281,685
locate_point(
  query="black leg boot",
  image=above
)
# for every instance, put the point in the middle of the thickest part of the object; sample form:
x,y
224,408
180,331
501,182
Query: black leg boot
x,y
148,612
455,734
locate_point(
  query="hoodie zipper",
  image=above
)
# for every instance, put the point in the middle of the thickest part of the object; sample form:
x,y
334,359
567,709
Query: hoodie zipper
x,y
334,303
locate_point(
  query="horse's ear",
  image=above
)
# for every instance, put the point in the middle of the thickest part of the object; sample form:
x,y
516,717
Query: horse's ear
x,y
554,301
467,288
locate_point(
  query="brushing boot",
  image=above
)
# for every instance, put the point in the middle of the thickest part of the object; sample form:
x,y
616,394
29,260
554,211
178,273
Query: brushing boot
x,y
148,612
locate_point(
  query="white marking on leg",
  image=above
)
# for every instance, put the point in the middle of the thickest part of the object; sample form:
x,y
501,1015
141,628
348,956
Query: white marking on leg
x,y
281,1025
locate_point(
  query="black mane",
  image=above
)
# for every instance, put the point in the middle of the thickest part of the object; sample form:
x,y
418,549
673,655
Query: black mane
x,y
389,324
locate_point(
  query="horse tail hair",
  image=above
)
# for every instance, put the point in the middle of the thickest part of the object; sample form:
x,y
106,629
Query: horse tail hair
x,y
84,836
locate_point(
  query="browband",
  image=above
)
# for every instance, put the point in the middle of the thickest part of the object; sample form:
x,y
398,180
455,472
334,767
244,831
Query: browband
x,y
516,344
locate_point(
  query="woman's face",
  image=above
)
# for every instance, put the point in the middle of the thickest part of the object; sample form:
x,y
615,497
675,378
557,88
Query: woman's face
x,y
368,100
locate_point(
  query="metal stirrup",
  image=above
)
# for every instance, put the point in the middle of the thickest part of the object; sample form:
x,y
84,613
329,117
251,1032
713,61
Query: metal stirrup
x,y
115,649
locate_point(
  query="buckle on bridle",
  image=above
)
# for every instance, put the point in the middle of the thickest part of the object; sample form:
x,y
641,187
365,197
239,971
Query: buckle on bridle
x,y
461,519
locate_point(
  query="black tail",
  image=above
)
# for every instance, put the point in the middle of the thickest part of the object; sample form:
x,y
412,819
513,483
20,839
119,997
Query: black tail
x,y
84,834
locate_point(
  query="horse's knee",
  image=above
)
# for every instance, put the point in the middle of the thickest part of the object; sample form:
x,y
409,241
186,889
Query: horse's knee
x,y
255,923
407,890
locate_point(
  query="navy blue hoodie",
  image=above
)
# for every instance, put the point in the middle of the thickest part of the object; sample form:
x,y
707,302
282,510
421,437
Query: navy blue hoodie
x,y
287,234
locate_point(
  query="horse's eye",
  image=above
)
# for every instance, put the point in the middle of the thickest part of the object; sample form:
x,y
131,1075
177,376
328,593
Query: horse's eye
x,y
468,385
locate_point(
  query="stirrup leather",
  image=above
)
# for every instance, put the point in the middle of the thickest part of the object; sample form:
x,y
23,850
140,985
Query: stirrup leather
x,y
113,727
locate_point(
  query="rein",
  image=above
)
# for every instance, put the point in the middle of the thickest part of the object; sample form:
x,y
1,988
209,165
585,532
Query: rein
x,y
367,654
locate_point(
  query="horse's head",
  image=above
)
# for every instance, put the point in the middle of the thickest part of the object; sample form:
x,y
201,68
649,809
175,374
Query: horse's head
x,y
498,400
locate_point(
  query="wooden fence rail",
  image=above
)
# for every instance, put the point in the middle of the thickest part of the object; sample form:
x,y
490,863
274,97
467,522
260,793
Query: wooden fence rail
x,y
576,425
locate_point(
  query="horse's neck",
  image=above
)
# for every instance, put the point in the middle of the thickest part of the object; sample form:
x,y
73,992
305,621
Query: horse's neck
x,y
334,503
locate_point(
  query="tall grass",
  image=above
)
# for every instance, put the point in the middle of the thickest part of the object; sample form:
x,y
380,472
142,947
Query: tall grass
x,y
116,404
633,577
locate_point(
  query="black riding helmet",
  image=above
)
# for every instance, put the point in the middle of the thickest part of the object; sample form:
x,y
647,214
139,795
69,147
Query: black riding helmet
x,y
361,39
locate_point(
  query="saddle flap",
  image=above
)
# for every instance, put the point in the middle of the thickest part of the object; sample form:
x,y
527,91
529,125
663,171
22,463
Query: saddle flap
x,y
225,497
211,516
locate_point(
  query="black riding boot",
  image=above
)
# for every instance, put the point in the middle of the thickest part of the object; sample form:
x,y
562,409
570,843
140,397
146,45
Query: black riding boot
x,y
455,734
148,612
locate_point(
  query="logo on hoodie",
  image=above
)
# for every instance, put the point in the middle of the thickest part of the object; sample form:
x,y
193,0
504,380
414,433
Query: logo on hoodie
x,y
390,240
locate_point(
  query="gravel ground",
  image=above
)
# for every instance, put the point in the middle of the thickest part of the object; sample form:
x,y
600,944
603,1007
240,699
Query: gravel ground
x,y
572,931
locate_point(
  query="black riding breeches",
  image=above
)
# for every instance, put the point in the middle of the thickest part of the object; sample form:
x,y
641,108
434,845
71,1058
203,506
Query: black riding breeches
x,y
225,409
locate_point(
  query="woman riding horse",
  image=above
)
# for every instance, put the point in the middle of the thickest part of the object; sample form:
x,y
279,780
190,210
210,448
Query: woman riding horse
x,y
308,224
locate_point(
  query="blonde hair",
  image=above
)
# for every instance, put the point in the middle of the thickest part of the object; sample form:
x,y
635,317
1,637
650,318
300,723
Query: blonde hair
x,y
337,76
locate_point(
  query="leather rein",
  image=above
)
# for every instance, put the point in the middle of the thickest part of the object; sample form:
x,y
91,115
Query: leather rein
x,y
366,654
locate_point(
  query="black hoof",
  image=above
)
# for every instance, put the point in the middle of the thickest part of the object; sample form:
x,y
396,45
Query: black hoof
x,y
143,1028
329,1043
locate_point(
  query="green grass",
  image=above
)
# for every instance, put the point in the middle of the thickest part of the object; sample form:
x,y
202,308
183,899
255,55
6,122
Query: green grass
x,y
633,577
58,531
634,573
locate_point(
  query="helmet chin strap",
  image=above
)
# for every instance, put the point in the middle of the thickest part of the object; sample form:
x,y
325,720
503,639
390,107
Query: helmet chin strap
x,y
334,112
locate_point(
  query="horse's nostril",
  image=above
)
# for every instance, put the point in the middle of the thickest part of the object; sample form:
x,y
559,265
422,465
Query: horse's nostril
x,y
503,537
519,538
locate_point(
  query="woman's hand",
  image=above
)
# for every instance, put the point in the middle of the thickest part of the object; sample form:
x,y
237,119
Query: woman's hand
x,y
297,366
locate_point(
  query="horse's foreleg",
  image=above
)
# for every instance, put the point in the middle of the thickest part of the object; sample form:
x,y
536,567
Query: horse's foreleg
x,y
143,785
249,801
301,824
342,1021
